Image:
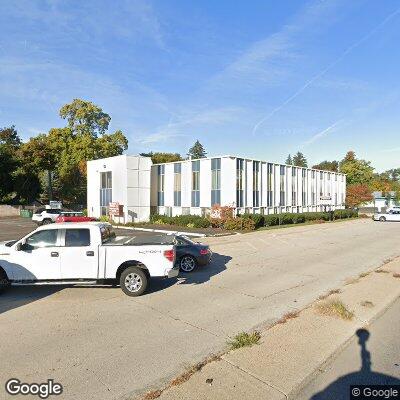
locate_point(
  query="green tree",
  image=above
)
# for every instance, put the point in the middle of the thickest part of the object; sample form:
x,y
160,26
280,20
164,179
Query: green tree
x,y
158,157
197,151
327,166
289,160
357,171
299,160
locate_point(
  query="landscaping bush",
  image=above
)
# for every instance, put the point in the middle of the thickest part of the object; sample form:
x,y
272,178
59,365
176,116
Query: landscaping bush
x,y
239,223
271,220
316,216
258,219
190,221
347,213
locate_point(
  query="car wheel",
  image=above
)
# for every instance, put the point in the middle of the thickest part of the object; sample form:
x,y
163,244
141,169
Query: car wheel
x,y
187,263
133,281
46,221
4,282
382,219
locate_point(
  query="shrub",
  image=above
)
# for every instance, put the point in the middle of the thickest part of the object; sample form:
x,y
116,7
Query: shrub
x,y
239,223
258,219
219,215
271,220
347,213
190,221
104,218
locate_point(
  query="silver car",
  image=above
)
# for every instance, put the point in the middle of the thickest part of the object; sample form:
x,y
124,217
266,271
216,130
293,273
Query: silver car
x,y
383,217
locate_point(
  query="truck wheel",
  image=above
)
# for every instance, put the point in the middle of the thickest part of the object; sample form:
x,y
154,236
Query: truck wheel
x,y
133,281
382,219
187,263
4,282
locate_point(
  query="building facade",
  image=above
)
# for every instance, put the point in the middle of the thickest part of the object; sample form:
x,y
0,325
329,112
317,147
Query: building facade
x,y
248,185
194,186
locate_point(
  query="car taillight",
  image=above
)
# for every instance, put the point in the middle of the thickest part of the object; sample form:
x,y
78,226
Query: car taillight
x,y
203,252
169,255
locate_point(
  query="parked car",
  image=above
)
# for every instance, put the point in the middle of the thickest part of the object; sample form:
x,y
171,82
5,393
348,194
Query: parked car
x,y
46,216
393,216
190,254
69,253
73,216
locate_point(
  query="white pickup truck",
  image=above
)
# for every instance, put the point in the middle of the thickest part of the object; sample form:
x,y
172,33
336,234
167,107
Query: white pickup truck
x,y
64,253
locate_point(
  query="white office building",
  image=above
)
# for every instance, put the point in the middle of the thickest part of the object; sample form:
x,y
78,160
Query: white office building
x,y
194,186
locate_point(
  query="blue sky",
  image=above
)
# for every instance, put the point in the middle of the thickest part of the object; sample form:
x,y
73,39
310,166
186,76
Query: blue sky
x,y
260,79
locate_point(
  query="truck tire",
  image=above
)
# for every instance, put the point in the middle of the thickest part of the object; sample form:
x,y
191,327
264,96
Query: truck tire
x,y
133,281
4,282
382,219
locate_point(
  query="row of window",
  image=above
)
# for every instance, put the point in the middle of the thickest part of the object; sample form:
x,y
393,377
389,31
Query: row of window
x,y
216,183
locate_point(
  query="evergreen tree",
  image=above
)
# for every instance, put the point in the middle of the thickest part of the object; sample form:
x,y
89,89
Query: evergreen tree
x,y
299,160
197,151
289,160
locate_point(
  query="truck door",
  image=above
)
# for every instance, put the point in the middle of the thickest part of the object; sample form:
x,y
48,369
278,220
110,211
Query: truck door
x,y
80,257
39,258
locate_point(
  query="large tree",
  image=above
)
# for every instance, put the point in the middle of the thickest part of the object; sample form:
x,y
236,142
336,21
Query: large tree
x,y
356,170
357,194
289,160
197,151
327,166
299,160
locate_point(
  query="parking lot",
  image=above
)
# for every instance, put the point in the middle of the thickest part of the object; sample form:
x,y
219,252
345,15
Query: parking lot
x,y
100,344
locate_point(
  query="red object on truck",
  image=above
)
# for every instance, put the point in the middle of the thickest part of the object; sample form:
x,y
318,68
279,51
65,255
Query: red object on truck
x,y
73,217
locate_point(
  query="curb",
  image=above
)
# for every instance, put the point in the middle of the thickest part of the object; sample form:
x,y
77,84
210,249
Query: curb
x,y
161,231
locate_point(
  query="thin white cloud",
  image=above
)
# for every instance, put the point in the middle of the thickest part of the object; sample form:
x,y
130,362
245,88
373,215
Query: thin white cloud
x,y
391,150
321,134
325,70
157,138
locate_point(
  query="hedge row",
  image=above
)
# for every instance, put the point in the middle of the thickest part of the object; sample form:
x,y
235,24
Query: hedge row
x,y
297,218
190,221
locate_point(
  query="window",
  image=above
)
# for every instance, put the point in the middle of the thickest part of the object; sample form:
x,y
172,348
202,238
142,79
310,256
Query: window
x,y
215,181
105,191
304,187
107,234
77,237
256,189
294,193
313,188
321,190
269,185
239,182
42,239
282,185
177,184
160,184
196,183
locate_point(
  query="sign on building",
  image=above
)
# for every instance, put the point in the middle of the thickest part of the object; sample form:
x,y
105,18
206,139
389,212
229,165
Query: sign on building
x,y
115,209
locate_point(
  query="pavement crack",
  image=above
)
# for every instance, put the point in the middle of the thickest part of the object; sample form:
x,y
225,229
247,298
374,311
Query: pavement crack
x,y
255,377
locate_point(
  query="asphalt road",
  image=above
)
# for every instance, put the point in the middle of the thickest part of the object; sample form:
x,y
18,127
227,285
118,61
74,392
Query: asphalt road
x,y
101,344
373,361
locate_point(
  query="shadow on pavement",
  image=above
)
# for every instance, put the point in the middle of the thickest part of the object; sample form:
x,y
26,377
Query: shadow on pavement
x,y
17,296
340,389
203,274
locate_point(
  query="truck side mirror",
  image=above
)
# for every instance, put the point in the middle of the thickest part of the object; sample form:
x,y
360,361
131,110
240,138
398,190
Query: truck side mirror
x,y
18,247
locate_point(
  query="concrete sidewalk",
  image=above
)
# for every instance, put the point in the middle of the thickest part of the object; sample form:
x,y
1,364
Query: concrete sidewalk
x,y
291,352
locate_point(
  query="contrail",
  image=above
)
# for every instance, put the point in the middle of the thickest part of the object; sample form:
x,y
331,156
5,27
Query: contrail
x,y
321,134
324,71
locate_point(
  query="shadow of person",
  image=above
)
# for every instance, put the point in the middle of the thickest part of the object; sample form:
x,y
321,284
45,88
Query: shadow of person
x,y
340,389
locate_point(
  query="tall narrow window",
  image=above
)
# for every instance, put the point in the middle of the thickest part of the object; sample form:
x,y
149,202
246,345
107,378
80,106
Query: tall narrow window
x,y
196,183
215,181
105,191
304,187
160,184
177,184
239,182
313,187
282,186
321,182
256,188
294,193
269,185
